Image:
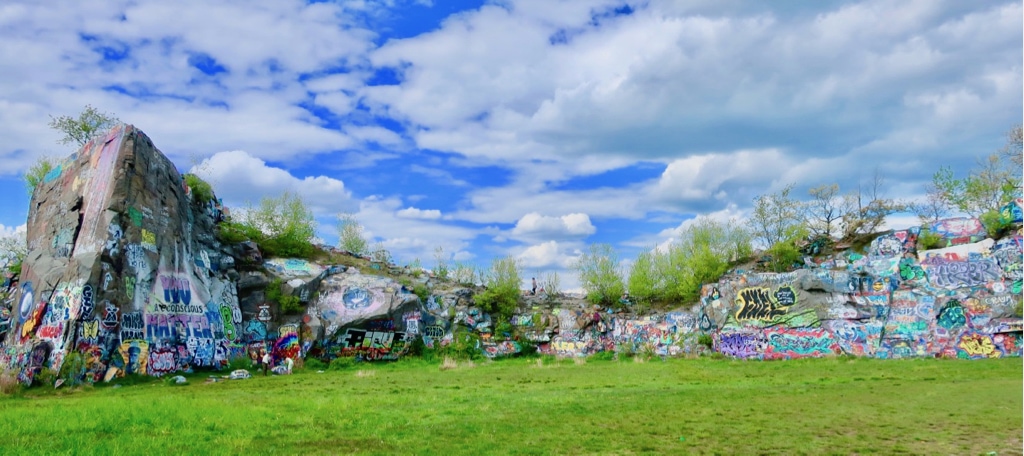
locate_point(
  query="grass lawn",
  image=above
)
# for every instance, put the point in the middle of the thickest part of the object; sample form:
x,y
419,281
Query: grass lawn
x,y
703,406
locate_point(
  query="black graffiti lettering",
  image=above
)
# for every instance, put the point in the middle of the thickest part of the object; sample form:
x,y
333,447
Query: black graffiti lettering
x,y
757,304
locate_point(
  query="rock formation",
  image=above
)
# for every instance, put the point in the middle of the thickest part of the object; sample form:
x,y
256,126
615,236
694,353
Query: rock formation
x,y
123,267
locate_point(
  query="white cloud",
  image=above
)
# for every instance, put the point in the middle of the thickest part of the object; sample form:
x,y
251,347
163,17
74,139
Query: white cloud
x,y
548,254
569,226
238,178
414,213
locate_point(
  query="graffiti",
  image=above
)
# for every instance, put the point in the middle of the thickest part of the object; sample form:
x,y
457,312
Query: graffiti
x,y
1012,212
114,235
705,322
433,331
135,215
129,287
132,326
88,332
27,301
739,345
372,345
264,313
952,315
978,346
886,245
505,348
356,298
255,331
412,323
960,227
785,296
910,270
137,257
958,274
800,343
134,356
176,289
162,361
287,344
177,327
63,243
87,302
293,266
227,320
148,240
758,304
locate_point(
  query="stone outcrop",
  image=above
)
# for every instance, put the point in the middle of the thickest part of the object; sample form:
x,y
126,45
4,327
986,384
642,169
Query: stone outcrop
x,y
123,267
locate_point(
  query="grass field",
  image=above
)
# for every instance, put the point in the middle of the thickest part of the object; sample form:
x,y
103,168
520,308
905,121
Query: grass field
x,y
703,406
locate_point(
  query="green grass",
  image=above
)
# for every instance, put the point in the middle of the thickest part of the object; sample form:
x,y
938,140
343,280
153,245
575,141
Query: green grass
x,y
704,406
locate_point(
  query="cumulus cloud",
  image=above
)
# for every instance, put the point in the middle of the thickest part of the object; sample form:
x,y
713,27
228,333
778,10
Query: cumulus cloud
x,y
536,226
414,213
240,178
548,254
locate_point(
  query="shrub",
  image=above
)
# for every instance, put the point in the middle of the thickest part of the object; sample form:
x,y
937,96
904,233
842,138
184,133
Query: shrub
x,y
644,281
314,364
73,369
288,304
606,355
201,190
233,233
599,275
283,227
705,340
701,255
421,291
502,294
46,376
928,241
9,382
241,362
995,225
350,235
342,363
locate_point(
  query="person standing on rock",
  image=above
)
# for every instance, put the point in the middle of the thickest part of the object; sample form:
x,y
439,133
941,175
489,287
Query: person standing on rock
x,y
533,291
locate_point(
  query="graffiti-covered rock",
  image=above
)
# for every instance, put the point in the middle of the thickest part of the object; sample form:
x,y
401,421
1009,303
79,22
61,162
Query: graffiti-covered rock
x,y
123,267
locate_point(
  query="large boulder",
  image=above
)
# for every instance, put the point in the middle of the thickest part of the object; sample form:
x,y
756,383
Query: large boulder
x,y
123,267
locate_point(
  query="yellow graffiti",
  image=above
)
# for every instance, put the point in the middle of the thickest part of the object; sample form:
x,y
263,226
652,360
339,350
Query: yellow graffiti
x,y
91,329
148,240
979,346
135,361
568,345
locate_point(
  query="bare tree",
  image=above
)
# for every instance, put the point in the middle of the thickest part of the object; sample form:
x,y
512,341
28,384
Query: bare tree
x,y
933,208
825,211
868,208
775,215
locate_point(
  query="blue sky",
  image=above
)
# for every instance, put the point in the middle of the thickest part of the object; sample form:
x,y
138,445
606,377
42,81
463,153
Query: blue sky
x,y
525,128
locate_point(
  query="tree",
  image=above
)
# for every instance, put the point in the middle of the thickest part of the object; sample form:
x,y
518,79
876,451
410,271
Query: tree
x,y
441,265
599,275
282,226
89,124
350,234
13,250
933,208
868,208
645,282
824,213
774,215
703,253
38,171
986,188
502,281
552,283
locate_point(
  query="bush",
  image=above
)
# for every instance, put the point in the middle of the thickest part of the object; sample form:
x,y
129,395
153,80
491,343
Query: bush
x,y
241,362
9,382
314,364
73,369
464,345
599,275
701,255
422,292
283,227
502,294
342,363
995,225
928,241
606,355
233,233
644,281
46,377
288,304
706,340
201,190
350,235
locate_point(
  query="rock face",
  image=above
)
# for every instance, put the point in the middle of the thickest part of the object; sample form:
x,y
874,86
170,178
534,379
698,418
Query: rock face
x,y
123,267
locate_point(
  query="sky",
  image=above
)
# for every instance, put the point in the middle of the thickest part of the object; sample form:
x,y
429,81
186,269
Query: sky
x,y
528,128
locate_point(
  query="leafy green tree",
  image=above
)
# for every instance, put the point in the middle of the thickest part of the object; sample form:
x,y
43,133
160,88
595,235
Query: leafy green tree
x,y
13,250
645,281
599,275
702,254
282,226
502,282
350,234
79,130
35,173
986,188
